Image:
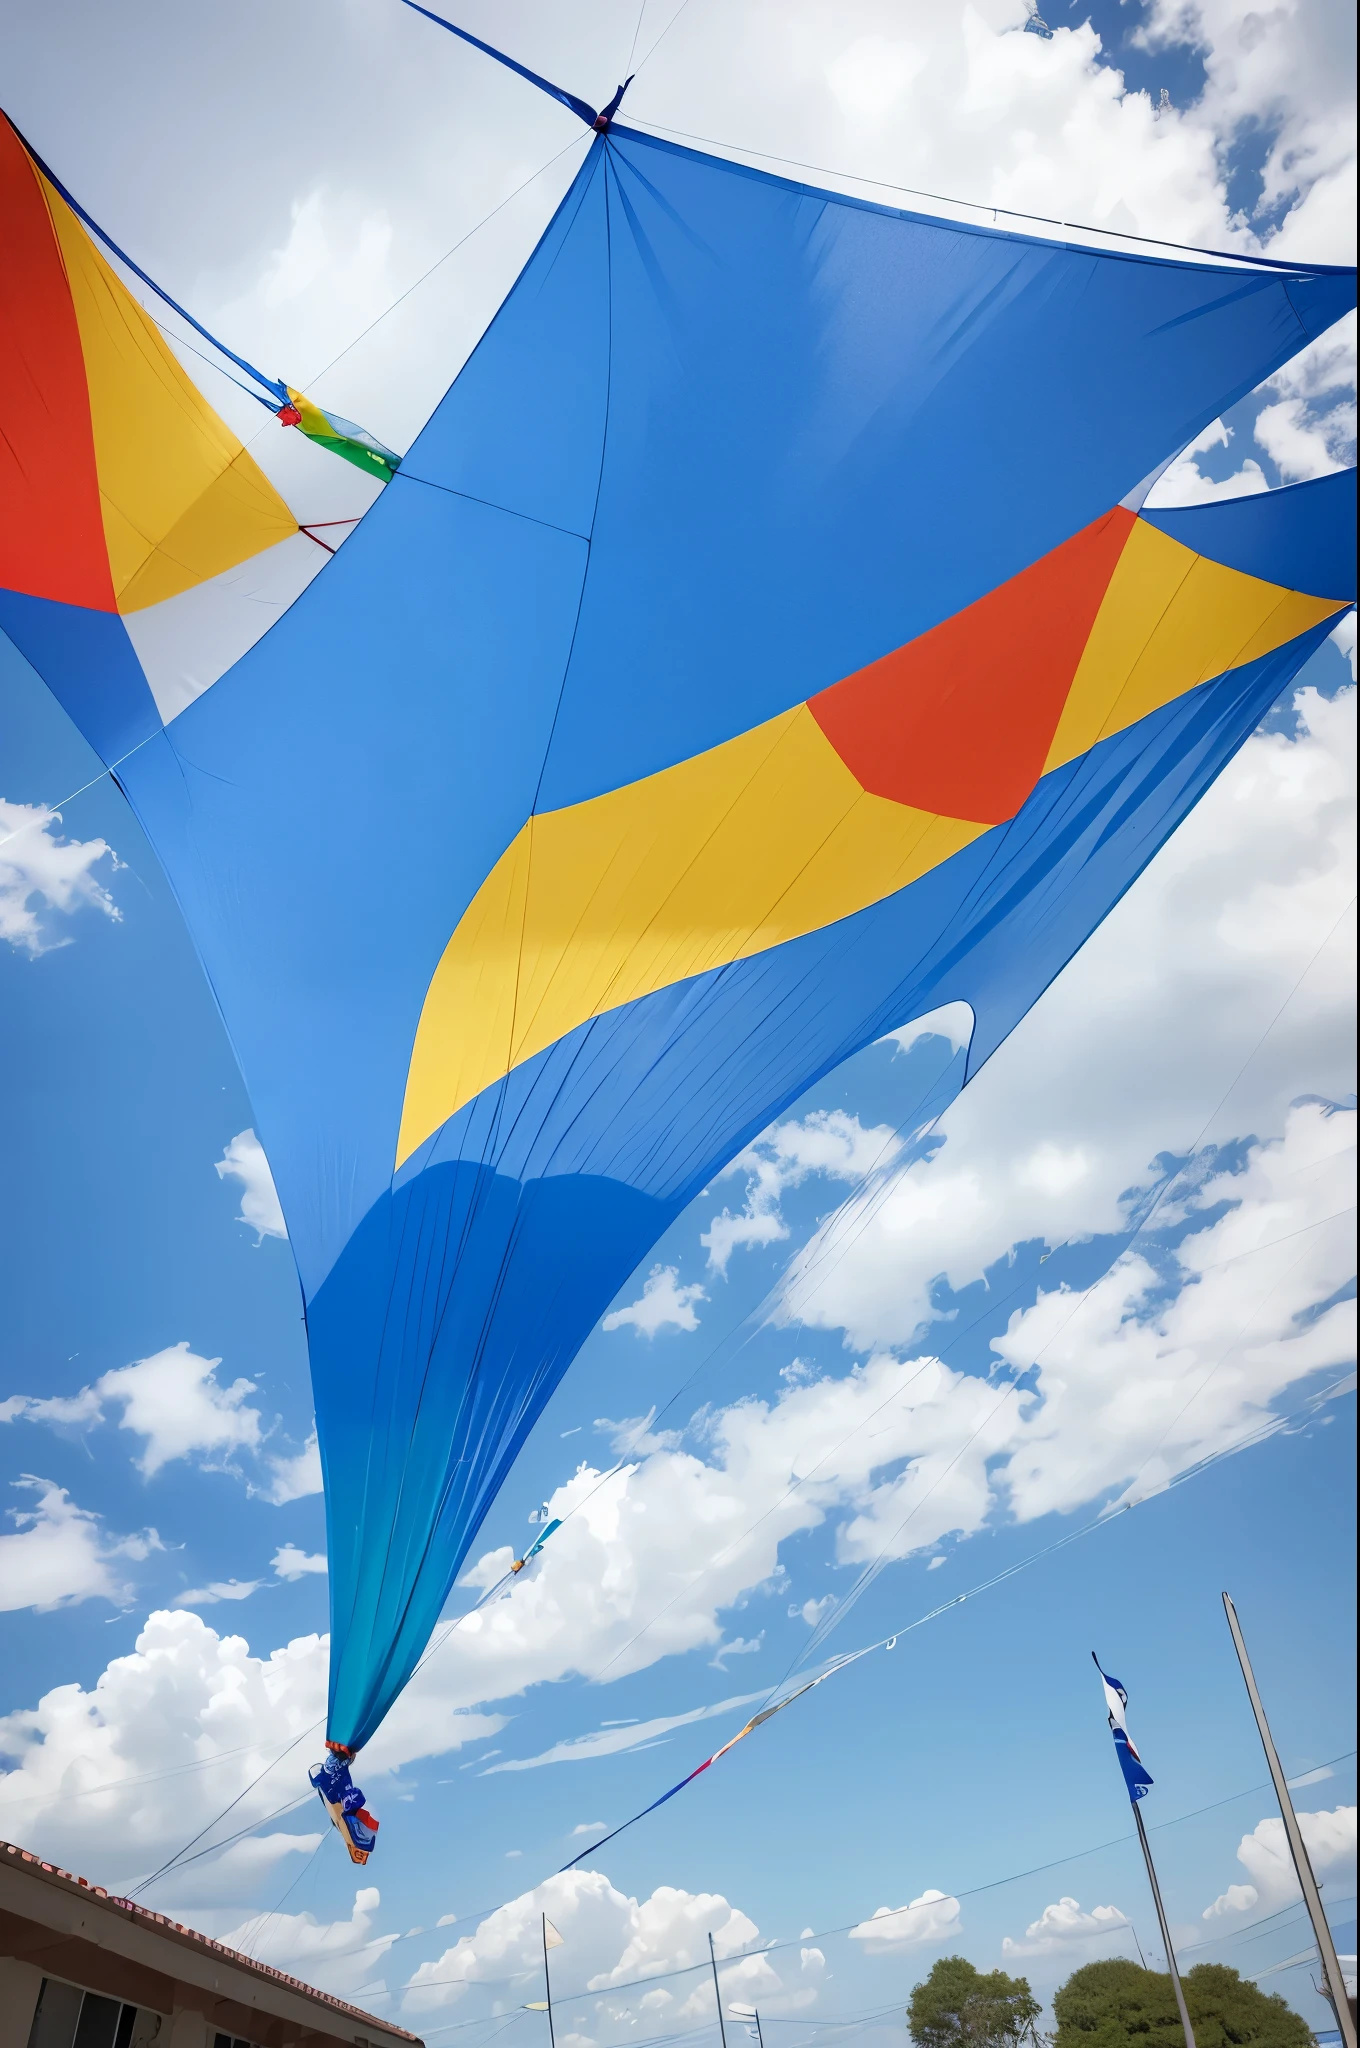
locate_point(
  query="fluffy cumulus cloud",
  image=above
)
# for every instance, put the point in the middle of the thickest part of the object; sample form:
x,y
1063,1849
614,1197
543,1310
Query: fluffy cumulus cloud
x,y
1264,1854
1284,73
293,1478
611,1941
216,1590
1183,482
60,1554
337,1955
1061,1924
112,1779
663,1305
1308,428
289,1562
244,1162
45,878
827,1142
614,1737
933,1918
172,1400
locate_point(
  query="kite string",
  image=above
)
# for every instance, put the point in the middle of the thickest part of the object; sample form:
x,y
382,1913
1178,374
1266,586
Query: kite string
x,y
976,205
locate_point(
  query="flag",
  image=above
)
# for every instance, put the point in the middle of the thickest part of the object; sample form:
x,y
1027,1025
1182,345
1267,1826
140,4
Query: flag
x,y
551,1937
1136,1777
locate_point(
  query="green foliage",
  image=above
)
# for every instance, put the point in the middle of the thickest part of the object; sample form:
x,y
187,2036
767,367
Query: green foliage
x,y
1116,2005
957,2007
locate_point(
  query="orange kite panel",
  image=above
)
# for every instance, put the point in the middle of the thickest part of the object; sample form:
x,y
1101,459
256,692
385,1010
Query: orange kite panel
x,y
959,721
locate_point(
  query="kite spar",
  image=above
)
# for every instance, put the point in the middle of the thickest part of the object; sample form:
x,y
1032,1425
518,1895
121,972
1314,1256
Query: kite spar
x,y
740,664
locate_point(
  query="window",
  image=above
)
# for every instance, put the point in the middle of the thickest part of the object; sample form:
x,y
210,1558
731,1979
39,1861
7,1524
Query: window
x,y
69,2017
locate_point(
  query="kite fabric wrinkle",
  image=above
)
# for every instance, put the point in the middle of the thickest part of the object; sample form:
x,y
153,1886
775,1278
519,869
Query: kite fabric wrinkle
x,y
818,677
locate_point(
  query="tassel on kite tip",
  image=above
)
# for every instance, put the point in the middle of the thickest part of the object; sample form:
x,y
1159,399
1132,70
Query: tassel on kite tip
x,y
344,1802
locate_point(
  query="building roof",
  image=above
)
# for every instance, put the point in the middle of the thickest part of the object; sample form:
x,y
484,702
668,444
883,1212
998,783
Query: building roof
x,y
65,1890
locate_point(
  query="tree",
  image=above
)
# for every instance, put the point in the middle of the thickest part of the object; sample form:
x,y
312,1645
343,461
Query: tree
x,y
1114,2004
957,2007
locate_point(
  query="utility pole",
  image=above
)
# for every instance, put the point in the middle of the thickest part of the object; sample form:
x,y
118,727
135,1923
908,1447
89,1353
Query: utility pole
x,y
750,2013
713,1959
1181,2006
1322,1933
547,1983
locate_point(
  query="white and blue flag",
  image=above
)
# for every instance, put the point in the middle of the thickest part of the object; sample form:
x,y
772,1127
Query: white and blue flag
x,y
1136,1777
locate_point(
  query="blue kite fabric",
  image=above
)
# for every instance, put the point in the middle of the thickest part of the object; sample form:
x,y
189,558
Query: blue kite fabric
x,y
761,645
1136,1777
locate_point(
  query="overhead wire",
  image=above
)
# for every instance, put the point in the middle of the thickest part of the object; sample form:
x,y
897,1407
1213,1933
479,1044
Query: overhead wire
x,y
765,1948
887,1642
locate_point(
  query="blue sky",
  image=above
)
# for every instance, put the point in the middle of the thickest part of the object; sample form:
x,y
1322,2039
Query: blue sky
x,y
1204,1036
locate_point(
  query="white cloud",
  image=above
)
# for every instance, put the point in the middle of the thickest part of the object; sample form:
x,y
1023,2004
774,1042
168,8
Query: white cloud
x,y
336,1955
219,1589
1343,636
740,1646
1304,442
1184,483
1330,1839
612,1940
827,1141
289,1562
610,1740
238,1872
60,1554
1309,428
172,1399
1236,948
295,1478
663,1304
933,1918
1281,72
953,1021
58,1411
244,1161
1061,1923
44,877
112,1780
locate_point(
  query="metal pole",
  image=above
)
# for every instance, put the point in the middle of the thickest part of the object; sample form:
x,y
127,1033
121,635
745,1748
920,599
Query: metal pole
x,y
712,1957
547,1982
1331,1968
760,2031
1181,2007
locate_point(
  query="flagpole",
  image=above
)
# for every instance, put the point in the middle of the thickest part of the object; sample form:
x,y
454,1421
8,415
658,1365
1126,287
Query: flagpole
x,y
547,1982
1322,1933
1181,2006
713,1959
